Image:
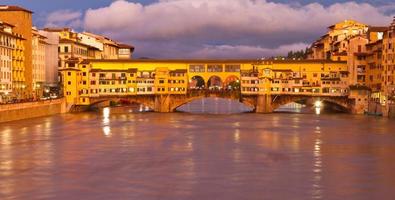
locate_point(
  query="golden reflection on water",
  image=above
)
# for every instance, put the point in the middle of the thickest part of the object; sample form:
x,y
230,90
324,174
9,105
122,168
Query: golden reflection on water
x,y
185,156
317,166
237,136
106,122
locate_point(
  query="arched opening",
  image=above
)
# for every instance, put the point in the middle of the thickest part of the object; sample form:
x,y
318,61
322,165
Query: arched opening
x,y
121,106
197,82
311,105
232,83
333,107
214,105
214,83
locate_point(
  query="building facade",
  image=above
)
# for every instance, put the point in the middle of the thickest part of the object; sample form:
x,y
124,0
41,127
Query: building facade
x,y
389,64
7,46
104,78
51,59
39,46
22,20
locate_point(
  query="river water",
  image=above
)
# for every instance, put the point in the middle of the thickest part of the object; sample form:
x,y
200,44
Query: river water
x,y
147,156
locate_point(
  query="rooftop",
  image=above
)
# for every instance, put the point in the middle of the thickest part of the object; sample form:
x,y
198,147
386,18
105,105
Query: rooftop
x,y
13,8
377,28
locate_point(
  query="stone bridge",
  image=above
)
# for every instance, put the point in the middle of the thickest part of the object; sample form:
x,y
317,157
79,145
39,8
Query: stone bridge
x,y
260,103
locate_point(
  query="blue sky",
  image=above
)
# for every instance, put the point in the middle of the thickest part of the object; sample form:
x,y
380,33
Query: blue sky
x,y
207,28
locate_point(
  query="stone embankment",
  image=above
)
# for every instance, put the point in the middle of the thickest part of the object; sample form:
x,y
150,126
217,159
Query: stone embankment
x,y
19,111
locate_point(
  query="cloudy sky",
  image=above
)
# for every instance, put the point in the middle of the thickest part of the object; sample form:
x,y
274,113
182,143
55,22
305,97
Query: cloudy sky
x,y
208,28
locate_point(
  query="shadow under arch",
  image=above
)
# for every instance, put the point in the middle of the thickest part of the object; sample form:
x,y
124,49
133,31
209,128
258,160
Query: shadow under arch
x,y
111,102
232,82
335,104
213,105
215,82
197,82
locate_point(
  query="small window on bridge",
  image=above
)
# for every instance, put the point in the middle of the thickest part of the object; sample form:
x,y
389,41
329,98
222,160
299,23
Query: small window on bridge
x,y
214,68
232,68
196,68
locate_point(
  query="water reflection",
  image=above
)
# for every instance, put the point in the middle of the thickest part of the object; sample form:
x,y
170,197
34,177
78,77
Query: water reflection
x,y
214,105
183,156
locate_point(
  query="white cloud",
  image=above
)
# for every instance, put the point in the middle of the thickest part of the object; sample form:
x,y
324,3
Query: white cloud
x,y
62,18
210,28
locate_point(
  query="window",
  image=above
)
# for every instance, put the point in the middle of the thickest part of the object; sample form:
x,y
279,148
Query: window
x,y
69,82
66,49
214,68
161,81
232,68
196,68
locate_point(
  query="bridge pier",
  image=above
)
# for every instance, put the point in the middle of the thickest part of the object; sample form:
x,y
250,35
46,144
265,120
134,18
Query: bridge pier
x,y
162,104
264,104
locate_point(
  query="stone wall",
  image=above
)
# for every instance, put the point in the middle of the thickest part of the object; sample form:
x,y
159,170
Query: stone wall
x,y
11,112
391,113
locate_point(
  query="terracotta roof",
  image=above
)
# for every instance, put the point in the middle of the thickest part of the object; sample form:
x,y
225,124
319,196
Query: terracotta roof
x,y
130,70
63,40
12,35
378,28
8,24
375,43
57,29
126,46
13,8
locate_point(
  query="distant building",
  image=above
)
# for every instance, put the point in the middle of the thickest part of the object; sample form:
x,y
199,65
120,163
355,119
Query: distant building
x,y
39,57
51,59
125,51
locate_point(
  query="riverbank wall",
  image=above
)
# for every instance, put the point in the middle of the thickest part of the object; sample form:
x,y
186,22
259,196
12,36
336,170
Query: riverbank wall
x,y
19,111
381,110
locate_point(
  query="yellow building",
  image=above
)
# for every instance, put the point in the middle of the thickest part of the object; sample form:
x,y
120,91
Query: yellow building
x,y
21,18
12,65
7,47
117,78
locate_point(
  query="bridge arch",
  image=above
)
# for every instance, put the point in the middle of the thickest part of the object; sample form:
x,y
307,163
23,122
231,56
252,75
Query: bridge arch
x,y
343,103
215,82
232,82
105,101
190,100
197,82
